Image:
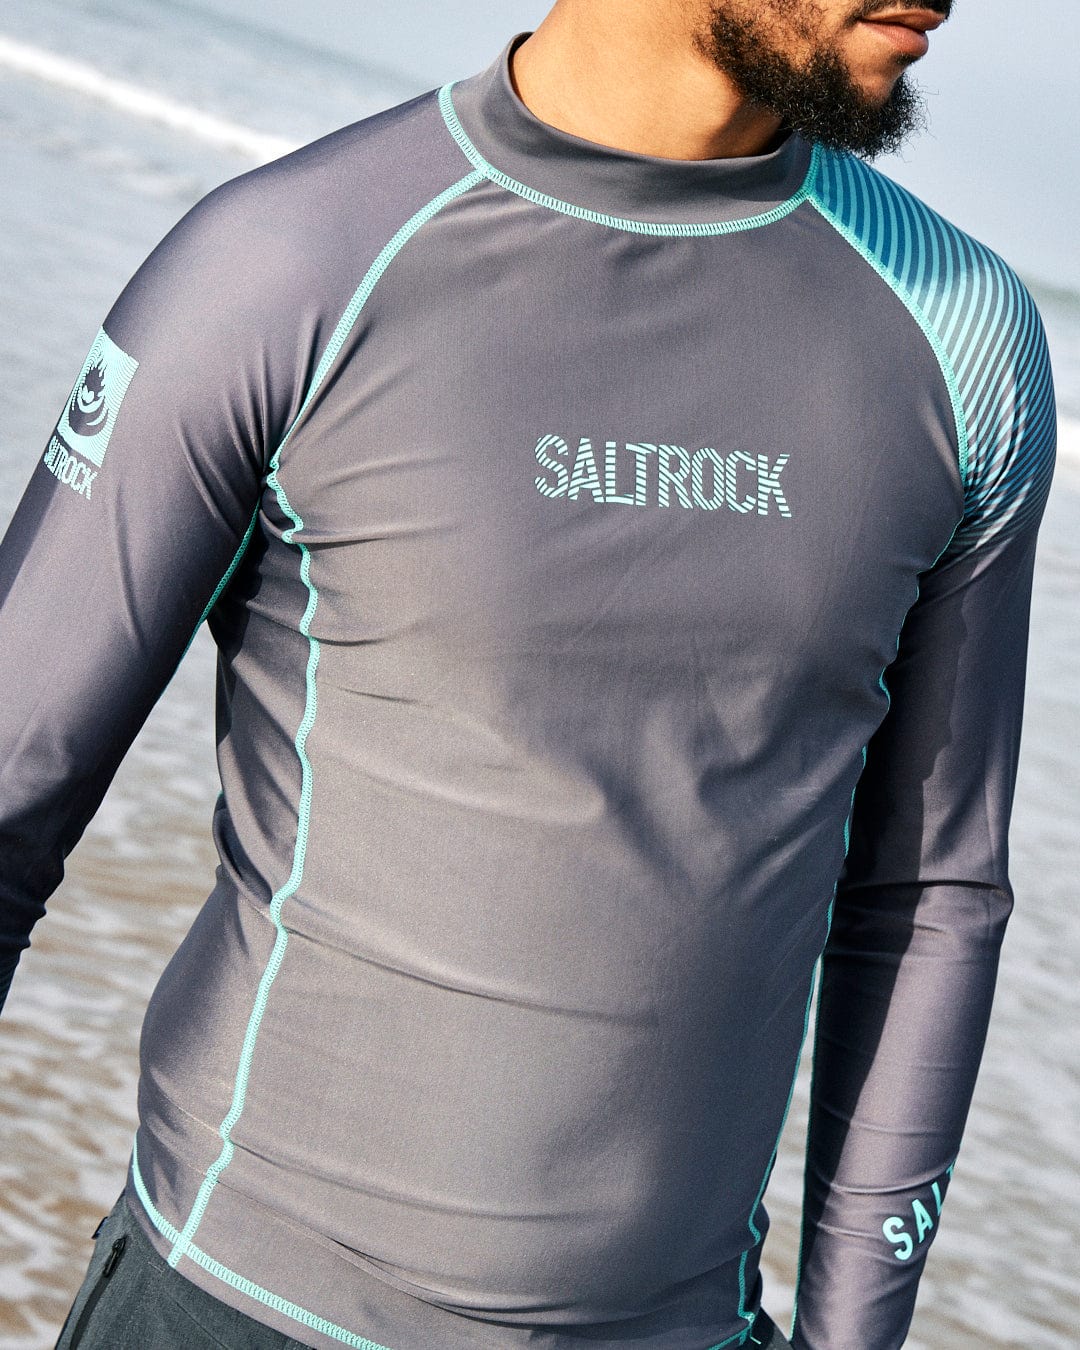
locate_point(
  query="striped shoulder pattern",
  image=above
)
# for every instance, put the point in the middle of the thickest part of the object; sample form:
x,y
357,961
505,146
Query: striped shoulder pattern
x,y
985,332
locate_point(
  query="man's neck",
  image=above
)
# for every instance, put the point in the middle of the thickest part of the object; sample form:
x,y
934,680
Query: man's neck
x,y
629,75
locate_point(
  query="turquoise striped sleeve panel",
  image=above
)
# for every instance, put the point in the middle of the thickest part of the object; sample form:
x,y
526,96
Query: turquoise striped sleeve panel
x,y
985,332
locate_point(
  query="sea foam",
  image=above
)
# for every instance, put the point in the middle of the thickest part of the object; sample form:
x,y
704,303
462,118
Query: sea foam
x,y
145,103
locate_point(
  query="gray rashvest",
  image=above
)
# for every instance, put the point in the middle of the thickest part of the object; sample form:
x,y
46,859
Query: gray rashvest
x,y
600,549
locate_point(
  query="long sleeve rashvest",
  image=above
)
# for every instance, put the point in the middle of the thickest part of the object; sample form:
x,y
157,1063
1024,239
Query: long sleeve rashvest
x,y
620,572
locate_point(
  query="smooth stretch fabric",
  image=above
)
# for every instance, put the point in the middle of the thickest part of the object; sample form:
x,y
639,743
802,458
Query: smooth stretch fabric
x,y
132,1299
570,522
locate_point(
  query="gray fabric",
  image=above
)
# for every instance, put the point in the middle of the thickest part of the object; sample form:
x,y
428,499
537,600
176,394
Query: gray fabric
x,y
131,1299
614,182
545,683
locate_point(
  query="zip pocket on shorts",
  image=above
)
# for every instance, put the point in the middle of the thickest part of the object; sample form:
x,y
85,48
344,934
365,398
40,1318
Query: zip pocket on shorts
x,y
107,1270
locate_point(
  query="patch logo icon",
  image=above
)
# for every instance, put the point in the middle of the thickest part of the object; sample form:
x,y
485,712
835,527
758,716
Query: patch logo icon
x,y
87,422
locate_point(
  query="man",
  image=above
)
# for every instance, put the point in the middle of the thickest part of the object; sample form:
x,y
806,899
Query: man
x,y
615,505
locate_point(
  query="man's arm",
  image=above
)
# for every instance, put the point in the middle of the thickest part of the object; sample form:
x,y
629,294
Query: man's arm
x,y
910,965
141,504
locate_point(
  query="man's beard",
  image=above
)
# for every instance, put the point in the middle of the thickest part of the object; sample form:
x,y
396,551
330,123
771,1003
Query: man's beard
x,y
816,97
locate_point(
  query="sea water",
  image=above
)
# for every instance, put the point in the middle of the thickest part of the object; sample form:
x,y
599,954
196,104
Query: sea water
x,y
114,118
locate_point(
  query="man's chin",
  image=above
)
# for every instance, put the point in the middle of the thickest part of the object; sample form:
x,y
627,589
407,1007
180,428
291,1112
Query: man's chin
x,y
866,126
841,117
820,99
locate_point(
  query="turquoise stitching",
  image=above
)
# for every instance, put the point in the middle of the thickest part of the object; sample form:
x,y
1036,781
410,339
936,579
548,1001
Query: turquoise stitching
x,y
920,317
738,1339
806,1145
225,579
374,273
755,1232
182,1244
240,1282
674,229
832,906
284,893
819,975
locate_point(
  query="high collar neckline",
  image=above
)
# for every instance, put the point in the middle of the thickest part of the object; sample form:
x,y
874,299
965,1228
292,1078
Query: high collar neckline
x,y
599,180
